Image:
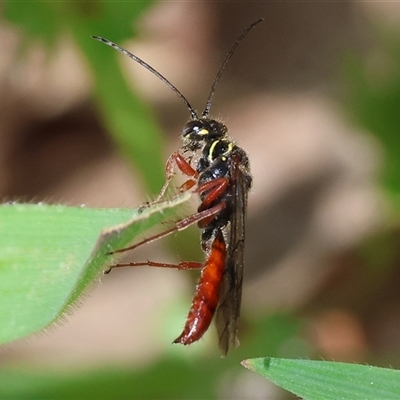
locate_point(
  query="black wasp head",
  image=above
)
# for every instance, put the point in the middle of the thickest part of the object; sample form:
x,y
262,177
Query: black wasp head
x,y
204,129
197,132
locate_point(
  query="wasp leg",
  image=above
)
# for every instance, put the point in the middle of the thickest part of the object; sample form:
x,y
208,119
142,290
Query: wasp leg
x,y
181,266
216,188
179,225
184,166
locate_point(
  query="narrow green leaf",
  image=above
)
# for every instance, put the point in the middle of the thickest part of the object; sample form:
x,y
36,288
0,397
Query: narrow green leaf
x,y
329,380
50,254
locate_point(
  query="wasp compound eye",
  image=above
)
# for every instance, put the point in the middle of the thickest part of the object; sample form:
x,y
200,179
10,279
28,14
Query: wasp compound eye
x,y
204,130
195,130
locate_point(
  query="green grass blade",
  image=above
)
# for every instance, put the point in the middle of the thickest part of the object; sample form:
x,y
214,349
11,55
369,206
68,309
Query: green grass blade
x,y
50,254
329,380
168,378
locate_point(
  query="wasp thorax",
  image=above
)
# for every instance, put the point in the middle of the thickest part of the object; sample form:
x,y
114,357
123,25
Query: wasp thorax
x,y
203,129
220,148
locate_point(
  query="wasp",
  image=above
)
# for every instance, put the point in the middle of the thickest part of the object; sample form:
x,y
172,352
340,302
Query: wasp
x,y
222,179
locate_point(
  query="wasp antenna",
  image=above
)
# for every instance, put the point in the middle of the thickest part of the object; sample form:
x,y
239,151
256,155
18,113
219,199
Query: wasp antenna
x,y
144,64
206,111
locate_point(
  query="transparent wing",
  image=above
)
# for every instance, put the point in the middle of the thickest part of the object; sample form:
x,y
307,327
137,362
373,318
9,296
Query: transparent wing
x,y
228,311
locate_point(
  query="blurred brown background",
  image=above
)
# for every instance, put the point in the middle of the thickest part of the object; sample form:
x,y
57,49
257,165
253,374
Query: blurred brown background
x,y
315,196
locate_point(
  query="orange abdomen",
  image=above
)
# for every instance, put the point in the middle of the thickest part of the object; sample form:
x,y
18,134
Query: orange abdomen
x,y
206,298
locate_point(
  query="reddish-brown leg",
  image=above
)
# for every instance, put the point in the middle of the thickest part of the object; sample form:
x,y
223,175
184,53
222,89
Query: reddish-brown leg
x,y
216,188
179,225
181,266
184,166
